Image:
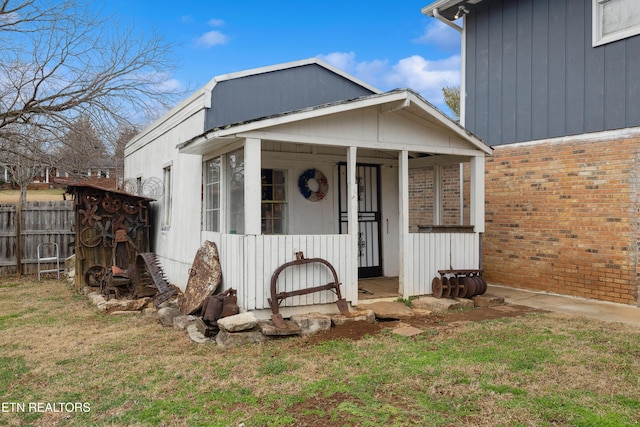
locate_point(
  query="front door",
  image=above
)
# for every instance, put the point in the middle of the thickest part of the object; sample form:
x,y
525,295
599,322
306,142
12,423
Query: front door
x,y
369,244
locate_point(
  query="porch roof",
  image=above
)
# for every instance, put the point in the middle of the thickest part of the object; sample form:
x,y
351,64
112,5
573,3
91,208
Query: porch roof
x,y
395,100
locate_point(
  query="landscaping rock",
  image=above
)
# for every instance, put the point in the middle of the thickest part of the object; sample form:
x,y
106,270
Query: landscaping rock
x,y
182,322
389,309
227,339
355,316
407,331
267,327
166,315
238,322
465,303
195,335
312,323
438,305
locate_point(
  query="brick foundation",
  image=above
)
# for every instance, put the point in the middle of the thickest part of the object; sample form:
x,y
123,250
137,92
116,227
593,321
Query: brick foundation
x,y
562,217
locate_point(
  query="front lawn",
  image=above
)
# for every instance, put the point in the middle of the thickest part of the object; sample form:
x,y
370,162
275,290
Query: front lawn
x,y
64,363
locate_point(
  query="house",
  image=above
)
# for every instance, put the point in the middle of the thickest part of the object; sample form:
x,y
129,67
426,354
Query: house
x,y
553,87
302,157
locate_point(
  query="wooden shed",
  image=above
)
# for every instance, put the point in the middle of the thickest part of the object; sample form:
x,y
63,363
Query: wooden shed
x,y
111,229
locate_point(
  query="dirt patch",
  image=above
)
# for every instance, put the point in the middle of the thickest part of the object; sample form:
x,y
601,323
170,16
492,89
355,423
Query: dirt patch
x,y
359,330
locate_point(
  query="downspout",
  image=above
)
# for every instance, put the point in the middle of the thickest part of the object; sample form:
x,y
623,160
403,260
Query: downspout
x,y
436,14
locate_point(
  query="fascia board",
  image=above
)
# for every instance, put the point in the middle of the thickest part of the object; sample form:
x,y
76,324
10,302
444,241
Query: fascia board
x,y
440,5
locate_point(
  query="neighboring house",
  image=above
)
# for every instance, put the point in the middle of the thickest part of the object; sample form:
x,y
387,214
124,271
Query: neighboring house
x,y
303,157
553,86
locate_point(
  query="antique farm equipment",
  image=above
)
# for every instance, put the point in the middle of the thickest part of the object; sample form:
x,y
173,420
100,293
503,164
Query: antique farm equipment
x,y
205,276
277,297
458,283
142,279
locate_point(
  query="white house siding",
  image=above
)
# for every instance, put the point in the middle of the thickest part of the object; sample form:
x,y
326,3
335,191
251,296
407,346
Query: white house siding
x,y
248,264
176,245
430,252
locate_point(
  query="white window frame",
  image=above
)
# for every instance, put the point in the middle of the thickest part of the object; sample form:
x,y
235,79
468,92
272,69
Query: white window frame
x,y
206,211
269,203
167,195
598,38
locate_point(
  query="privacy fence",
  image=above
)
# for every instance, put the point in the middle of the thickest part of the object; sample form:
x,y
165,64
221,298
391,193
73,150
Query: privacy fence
x,y
22,230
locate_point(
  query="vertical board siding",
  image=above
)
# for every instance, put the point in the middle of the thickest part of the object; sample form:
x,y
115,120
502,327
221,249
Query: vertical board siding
x,y
42,222
248,264
431,252
532,72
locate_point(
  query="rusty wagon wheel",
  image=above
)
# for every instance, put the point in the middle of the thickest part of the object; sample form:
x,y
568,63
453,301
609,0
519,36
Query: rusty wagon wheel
x,y
90,237
436,287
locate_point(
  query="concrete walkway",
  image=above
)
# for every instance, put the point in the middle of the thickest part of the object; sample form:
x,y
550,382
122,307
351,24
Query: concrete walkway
x,y
606,311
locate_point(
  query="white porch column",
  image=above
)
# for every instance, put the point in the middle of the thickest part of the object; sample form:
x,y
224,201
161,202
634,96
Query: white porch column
x,y
352,220
252,186
477,193
403,222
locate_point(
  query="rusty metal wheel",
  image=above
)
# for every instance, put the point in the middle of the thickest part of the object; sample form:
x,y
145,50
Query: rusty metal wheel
x,y
462,287
436,287
471,287
484,285
455,287
111,204
90,237
95,275
446,287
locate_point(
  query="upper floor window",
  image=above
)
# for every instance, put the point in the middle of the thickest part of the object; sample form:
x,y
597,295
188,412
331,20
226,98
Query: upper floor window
x,y
615,20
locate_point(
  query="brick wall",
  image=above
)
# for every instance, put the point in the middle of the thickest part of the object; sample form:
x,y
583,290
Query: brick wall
x,y
562,217
421,195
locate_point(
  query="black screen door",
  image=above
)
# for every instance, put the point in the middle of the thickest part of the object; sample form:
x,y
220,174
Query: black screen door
x,y
369,244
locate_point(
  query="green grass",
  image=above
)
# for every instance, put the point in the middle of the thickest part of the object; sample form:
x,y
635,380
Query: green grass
x,y
537,370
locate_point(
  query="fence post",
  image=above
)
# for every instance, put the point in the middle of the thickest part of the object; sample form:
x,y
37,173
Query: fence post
x,y
19,239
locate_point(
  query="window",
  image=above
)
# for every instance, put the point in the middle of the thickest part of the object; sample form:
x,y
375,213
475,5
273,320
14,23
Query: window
x,y
212,194
615,20
235,191
274,201
166,197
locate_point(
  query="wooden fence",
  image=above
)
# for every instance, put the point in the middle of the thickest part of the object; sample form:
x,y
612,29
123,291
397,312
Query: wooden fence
x,y
36,223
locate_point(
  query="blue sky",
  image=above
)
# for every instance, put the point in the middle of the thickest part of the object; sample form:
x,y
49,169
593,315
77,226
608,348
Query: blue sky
x,y
387,44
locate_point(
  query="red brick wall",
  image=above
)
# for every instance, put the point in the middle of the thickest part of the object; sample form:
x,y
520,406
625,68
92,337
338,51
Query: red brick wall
x,y
421,193
562,217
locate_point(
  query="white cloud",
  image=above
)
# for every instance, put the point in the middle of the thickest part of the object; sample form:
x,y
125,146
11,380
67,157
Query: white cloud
x,y
186,19
211,38
440,35
424,76
346,61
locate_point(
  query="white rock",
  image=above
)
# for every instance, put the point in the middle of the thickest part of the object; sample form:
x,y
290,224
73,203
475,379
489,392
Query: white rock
x,y
238,322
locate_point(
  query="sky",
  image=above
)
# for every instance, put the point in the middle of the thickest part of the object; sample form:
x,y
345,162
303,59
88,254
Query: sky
x,y
387,44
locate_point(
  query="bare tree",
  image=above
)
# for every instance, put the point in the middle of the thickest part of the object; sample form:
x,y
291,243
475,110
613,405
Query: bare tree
x,y
81,149
60,60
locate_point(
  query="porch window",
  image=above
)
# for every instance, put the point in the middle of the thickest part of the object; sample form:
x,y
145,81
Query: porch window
x,y
274,201
212,194
166,197
615,20
235,191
